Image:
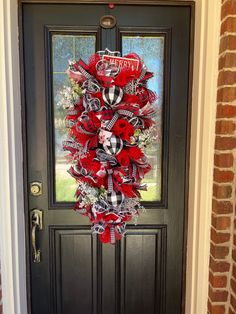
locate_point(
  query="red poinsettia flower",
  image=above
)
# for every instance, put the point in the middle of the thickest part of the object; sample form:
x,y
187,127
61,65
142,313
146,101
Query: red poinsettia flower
x,y
123,158
123,129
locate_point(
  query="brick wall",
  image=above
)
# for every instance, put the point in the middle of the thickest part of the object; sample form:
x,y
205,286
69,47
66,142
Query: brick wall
x,y
222,273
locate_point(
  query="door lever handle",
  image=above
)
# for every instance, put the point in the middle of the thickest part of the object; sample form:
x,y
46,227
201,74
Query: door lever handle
x,y
36,225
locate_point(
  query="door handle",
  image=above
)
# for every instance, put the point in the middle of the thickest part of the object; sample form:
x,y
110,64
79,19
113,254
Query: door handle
x,y
36,225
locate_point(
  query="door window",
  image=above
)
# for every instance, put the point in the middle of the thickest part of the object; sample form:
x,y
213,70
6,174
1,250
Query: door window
x,y
65,48
73,47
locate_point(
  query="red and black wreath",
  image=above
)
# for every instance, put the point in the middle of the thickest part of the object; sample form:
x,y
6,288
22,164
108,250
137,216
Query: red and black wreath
x,y
109,107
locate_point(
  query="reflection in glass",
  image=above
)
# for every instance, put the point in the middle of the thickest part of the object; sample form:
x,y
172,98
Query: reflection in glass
x,y
64,48
151,50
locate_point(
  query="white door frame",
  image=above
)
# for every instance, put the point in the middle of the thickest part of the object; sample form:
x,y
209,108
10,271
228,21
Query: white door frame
x,y
12,229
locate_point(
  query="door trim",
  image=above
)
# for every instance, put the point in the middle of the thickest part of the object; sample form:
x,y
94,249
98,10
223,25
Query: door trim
x,y
12,240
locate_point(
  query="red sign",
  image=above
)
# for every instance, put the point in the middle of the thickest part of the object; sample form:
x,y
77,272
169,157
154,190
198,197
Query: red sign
x,y
132,64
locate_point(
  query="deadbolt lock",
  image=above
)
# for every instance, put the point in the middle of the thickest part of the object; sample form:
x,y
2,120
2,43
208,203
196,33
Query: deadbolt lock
x,y
36,188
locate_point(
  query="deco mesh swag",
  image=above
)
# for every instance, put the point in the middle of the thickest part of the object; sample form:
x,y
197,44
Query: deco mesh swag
x,y
109,116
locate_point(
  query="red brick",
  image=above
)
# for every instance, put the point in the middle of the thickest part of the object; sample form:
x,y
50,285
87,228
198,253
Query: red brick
x,y
226,94
225,143
227,61
222,207
228,8
225,127
227,43
219,251
219,266
218,295
223,176
226,111
233,302
217,281
216,309
222,191
223,160
227,78
229,25
219,237
221,222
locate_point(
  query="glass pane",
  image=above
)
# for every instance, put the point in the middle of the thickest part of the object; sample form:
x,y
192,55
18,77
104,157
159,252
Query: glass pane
x,y
64,48
151,50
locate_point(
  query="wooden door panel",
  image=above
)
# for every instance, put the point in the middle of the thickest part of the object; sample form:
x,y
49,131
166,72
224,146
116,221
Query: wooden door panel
x,y
129,276
143,272
143,254
73,262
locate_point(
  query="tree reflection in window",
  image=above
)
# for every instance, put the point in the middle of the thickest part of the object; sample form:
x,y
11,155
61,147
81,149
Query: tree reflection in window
x,y
151,50
64,48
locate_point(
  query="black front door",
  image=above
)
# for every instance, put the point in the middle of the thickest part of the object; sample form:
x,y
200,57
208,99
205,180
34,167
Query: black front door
x,y
74,273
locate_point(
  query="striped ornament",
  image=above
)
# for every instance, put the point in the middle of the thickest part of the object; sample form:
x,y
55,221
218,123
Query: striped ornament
x,y
112,95
114,146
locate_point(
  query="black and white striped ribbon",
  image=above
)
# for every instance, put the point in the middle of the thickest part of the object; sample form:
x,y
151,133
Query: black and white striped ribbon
x,y
123,112
71,144
112,235
98,228
104,157
110,181
121,228
143,72
101,53
137,121
84,72
90,103
111,123
81,129
91,85
134,170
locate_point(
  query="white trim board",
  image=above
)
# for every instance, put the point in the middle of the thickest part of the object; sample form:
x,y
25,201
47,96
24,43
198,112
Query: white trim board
x,y
12,231
12,239
206,52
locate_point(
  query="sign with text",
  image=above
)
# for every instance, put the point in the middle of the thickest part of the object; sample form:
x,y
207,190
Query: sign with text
x,y
120,62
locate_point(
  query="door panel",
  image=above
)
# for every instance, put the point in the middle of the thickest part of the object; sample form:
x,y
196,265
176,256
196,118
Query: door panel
x,y
77,274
